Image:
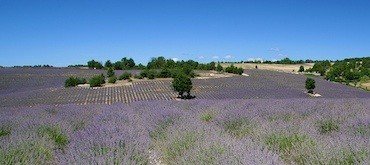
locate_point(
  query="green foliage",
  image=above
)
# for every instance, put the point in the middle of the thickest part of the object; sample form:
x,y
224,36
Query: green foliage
x,y
97,81
292,148
55,134
27,153
321,67
208,155
284,143
238,127
235,70
149,73
110,72
112,79
125,76
94,64
108,64
5,131
125,63
301,69
328,126
74,81
219,68
182,84
177,148
139,76
207,117
164,73
310,85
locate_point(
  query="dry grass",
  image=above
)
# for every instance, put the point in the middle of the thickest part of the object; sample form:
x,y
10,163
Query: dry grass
x,y
273,67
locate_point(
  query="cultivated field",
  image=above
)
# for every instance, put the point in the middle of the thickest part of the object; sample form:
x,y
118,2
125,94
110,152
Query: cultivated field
x,y
263,118
272,67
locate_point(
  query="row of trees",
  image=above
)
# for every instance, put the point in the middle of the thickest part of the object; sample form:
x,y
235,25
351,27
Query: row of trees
x,y
347,70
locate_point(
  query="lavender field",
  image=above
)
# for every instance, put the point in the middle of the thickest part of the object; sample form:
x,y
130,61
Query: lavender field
x,y
263,118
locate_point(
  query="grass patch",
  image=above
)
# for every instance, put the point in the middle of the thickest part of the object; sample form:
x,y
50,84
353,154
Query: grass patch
x,y
328,126
27,153
290,147
239,127
178,146
363,129
160,131
5,131
349,157
55,134
206,117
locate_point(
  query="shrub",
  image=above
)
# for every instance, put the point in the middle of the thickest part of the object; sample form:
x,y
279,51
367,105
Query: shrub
x,y
310,85
97,81
74,81
138,76
152,74
110,72
112,79
165,73
234,70
125,76
328,126
301,69
219,68
182,84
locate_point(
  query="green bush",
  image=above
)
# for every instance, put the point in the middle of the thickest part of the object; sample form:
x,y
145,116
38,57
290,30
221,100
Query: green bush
x,y
151,74
234,70
110,72
301,69
219,68
97,81
182,84
112,79
74,81
165,73
310,85
125,76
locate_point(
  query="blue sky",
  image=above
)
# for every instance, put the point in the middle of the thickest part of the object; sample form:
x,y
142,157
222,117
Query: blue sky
x,y
71,32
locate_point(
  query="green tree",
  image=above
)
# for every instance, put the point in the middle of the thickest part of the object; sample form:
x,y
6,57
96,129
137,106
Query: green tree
x,y
97,81
182,84
301,69
310,85
108,64
94,64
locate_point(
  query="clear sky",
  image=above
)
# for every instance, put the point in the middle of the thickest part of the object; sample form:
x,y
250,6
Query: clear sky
x,y
63,32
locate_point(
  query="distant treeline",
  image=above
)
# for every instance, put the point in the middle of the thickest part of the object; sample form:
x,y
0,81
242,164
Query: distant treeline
x,y
154,63
282,61
350,70
34,66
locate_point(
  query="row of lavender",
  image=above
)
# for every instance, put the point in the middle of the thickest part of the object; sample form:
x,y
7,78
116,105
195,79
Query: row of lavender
x,y
260,84
273,131
29,79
